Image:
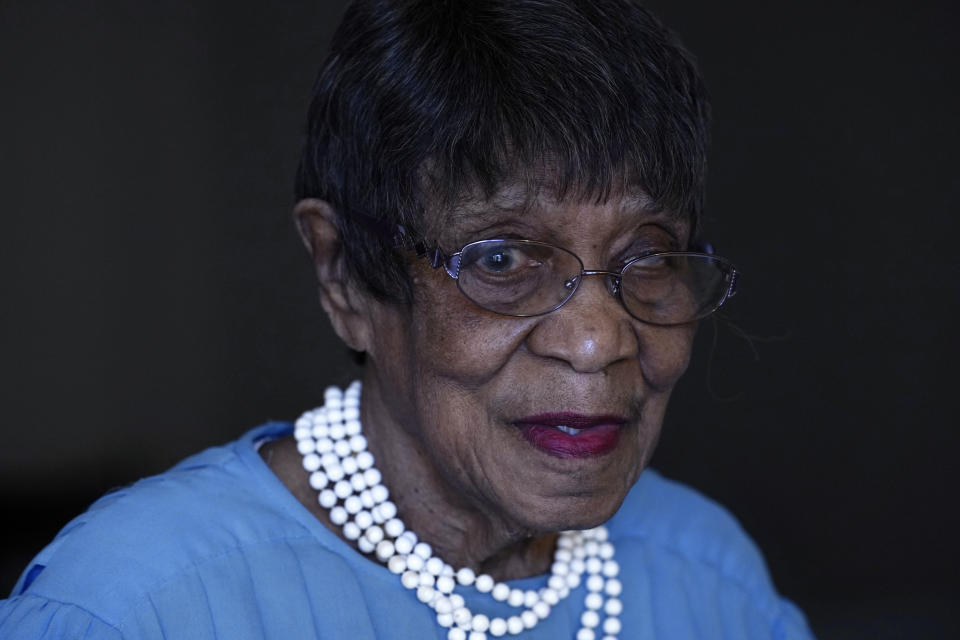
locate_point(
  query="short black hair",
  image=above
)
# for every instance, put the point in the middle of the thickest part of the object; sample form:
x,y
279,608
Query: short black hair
x,y
422,101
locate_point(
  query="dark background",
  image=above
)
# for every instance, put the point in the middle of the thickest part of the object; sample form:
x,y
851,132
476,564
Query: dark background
x,y
156,299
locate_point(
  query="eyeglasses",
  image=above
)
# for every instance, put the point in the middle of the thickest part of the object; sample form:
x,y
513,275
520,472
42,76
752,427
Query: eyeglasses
x,y
522,278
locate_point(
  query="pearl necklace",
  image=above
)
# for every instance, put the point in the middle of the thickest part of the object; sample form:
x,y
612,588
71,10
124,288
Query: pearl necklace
x,y
341,469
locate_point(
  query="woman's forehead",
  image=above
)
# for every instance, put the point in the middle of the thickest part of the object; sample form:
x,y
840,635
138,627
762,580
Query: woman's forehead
x,y
518,203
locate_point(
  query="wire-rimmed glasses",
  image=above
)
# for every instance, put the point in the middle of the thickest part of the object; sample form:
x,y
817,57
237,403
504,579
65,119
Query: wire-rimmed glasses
x,y
522,278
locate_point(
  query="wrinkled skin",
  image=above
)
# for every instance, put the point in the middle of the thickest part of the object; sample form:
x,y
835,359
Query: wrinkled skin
x,y
445,381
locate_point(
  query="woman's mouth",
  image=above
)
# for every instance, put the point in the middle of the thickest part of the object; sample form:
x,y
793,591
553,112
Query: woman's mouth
x,y
572,435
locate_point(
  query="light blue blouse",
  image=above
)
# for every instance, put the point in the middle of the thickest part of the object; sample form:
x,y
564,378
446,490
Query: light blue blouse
x,y
218,548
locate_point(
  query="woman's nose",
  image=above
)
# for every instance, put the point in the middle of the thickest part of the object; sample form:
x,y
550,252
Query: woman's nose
x,y
590,332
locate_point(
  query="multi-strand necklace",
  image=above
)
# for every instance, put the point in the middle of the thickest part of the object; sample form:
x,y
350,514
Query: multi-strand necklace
x,y
341,469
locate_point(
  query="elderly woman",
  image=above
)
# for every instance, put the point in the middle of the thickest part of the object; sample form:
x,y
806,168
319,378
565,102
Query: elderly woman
x,y
502,201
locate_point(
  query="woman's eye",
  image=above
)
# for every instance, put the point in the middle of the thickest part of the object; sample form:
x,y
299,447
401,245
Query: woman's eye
x,y
497,260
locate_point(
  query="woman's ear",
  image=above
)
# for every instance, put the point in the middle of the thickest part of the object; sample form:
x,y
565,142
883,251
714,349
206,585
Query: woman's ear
x,y
347,307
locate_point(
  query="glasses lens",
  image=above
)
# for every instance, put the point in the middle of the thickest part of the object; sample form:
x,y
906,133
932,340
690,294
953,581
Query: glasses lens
x,y
517,277
675,288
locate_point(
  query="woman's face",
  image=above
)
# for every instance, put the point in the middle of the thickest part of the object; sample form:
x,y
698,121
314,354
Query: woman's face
x,y
490,403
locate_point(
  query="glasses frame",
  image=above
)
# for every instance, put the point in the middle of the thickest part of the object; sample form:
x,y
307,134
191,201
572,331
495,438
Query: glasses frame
x,y
437,258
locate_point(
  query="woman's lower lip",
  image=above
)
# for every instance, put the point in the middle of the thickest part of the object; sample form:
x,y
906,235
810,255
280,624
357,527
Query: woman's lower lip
x,y
589,443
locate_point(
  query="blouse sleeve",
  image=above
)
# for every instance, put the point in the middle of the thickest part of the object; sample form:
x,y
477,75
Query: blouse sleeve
x,y
29,617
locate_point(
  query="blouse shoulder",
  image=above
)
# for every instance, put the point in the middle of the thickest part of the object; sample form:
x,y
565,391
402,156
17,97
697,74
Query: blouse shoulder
x,y
688,534
112,559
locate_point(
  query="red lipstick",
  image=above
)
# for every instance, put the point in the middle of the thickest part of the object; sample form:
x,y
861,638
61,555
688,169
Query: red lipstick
x,y
572,435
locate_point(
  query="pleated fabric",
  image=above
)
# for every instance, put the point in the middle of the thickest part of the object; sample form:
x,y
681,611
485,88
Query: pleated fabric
x,y
218,549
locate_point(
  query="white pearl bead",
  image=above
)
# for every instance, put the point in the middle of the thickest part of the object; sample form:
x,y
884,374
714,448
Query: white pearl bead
x,y
404,546
304,421
595,583
515,599
357,482
445,584
444,619
529,618
351,531
351,427
456,633
466,576
601,533
342,489
396,564
324,445
352,504
541,609
363,519
606,550
337,431
364,459
365,545
500,592
411,536
480,623
327,498
394,528
613,587
372,477
498,627
306,446
311,462
414,561
573,580
379,493
320,430
367,499
562,555
514,625
299,433
334,414
330,460
594,600
387,509
358,443
611,626
427,579
425,593
550,596
339,515
423,550
318,480
564,542
611,568
560,569
576,566
410,579
590,618
613,607
586,634
374,534
442,605
477,635
350,465
462,616
591,547
530,598
457,600
434,565
484,583
351,412
593,565
341,448
335,472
